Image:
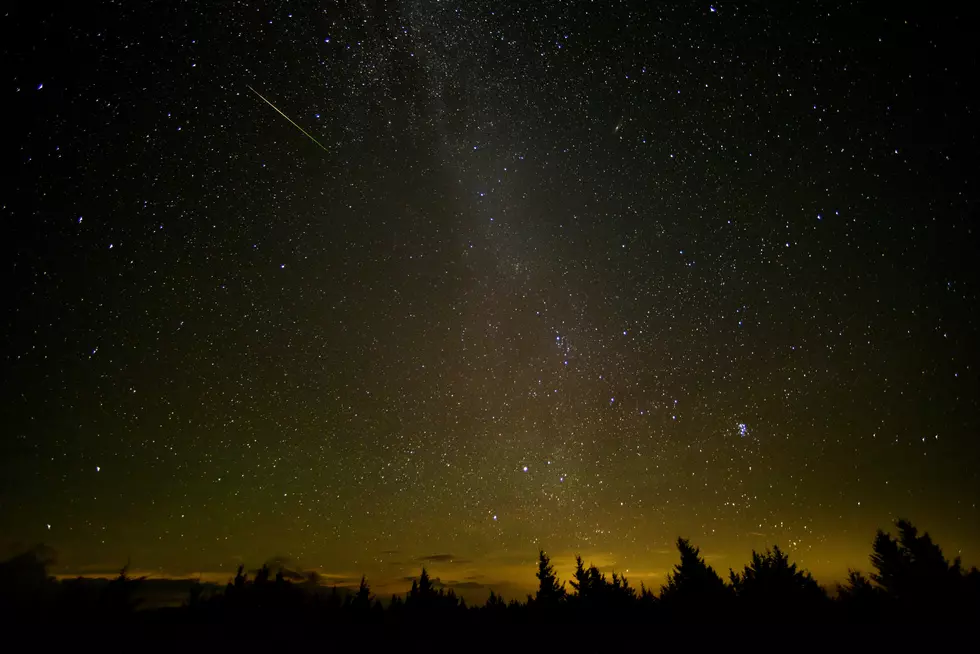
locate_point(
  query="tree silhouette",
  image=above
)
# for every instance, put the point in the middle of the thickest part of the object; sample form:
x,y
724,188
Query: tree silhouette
x,y
262,575
423,598
580,579
422,595
25,585
774,586
911,581
590,587
550,591
361,600
118,600
621,595
647,600
425,584
694,589
495,602
596,594
912,578
860,599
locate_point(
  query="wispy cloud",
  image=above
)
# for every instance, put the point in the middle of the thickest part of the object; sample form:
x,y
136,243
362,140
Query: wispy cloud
x,y
469,585
441,558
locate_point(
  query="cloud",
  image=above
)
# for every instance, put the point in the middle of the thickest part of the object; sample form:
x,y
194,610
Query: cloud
x,y
339,580
469,585
441,558
293,575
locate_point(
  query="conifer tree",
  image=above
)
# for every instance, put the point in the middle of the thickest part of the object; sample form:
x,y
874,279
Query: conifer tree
x,y
550,591
771,584
362,598
694,588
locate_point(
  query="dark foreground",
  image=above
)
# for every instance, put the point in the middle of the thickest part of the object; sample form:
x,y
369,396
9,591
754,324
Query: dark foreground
x,y
912,583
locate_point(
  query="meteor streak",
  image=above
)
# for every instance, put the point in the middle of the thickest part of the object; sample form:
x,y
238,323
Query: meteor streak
x,y
310,136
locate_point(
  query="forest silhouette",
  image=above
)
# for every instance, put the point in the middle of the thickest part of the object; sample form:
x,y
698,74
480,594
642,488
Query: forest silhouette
x,y
911,581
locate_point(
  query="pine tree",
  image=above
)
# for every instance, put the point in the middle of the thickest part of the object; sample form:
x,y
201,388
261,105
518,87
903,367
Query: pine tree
x,y
771,584
694,588
395,607
647,598
914,576
860,599
580,578
622,592
362,598
425,584
423,594
495,602
550,592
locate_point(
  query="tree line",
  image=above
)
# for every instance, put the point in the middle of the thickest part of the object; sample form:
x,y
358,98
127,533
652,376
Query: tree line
x,y
912,580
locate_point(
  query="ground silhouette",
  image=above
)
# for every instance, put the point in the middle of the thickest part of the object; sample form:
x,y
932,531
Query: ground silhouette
x,y
911,581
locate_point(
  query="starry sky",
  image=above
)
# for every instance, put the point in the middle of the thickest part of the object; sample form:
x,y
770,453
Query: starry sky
x,y
367,285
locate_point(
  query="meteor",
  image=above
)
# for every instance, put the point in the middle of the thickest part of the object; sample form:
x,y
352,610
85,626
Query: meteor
x,y
310,136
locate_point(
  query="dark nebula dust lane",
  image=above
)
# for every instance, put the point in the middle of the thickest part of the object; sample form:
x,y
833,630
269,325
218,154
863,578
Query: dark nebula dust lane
x,y
487,277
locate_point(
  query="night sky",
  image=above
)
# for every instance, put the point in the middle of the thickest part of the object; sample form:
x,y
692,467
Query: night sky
x,y
501,276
